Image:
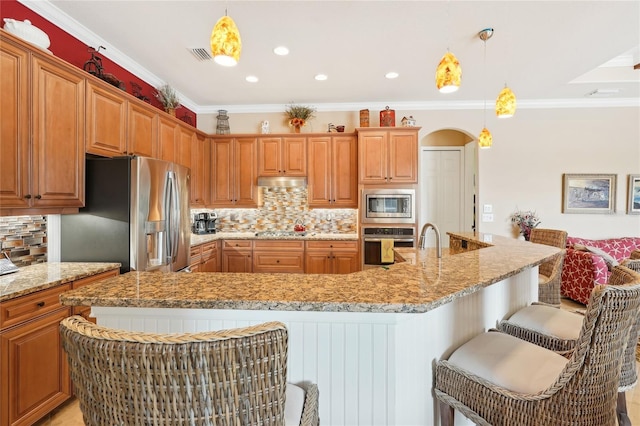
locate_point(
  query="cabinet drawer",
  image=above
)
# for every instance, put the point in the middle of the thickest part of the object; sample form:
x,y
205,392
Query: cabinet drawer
x,y
274,261
280,245
332,245
95,278
196,253
243,244
31,306
209,249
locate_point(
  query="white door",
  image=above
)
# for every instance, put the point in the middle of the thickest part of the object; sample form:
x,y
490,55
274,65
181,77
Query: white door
x,y
441,189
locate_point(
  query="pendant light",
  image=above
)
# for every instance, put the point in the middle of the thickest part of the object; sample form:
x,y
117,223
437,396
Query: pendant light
x,y
506,103
448,73
485,140
225,42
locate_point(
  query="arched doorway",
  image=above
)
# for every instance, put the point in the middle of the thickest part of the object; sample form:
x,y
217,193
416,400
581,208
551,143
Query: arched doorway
x,y
447,190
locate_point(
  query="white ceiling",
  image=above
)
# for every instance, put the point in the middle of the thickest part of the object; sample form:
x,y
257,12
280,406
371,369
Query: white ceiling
x,y
547,51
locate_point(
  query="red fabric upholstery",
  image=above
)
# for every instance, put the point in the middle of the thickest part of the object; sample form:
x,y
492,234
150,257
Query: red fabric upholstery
x,y
582,270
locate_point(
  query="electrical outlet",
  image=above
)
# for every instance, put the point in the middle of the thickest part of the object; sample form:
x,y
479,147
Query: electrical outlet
x,y
487,208
487,217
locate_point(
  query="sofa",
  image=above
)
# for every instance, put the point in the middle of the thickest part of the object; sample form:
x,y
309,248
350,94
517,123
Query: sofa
x,y
589,262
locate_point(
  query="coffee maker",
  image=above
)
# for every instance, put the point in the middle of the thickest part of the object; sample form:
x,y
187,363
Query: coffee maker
x,y
204,223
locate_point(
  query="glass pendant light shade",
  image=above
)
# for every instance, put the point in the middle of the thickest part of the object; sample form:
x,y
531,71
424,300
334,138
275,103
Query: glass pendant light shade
x,y
485,140
506,103
448,74
225,42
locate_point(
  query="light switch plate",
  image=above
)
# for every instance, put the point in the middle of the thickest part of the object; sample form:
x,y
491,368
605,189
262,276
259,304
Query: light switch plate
x,y
487,208
487,217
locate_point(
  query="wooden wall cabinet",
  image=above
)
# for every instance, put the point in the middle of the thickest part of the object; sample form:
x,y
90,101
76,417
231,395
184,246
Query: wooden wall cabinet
x,y
42,145
106,121
200,172
333,172
280,256
282,156
234,172
142,126
331,257
167,139
237,256
388,156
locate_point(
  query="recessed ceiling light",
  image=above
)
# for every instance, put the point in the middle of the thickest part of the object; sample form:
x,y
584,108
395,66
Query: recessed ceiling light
x,y
321,77
391,75
281,51
251,78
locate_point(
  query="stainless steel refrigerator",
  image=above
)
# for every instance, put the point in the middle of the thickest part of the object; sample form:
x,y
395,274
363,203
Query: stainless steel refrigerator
x,y
136,213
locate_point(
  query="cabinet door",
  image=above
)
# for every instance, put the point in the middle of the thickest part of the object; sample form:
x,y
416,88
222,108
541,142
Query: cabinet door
x,y
14,126
236,261
319,187
403,156
317,262
245,172
372,147
345,263
58,134
222,164
167,135
105,121
344,176
34,374
143,130
294,156
185,140
200,167
269,157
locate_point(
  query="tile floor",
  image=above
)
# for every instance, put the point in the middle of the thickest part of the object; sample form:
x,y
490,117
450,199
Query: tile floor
x,y
69,413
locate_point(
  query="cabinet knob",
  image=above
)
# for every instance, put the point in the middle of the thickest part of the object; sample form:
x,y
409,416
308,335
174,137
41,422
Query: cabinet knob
x,y
38,196
28,196
278,261
40,304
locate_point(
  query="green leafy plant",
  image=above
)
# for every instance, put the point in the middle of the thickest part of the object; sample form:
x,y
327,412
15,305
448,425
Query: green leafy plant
x,y
167,96
299,112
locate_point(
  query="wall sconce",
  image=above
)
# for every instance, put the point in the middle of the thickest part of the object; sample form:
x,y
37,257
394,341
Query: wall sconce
x,y
225,42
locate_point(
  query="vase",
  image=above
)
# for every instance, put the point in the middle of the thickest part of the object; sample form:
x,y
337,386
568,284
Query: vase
x,y
296,128
171,111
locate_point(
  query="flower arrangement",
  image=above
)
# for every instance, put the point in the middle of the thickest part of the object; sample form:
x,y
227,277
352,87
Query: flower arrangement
x,y
299,115
526,221
168,97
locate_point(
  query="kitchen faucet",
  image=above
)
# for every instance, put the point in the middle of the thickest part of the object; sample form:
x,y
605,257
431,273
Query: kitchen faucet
x,y
422,240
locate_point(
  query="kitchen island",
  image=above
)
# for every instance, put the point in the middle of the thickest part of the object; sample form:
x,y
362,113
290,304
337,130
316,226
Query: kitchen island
x,y
368,339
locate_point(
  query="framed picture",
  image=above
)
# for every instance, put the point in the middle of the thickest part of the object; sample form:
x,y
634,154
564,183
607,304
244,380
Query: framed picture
x,y
634,195
589,193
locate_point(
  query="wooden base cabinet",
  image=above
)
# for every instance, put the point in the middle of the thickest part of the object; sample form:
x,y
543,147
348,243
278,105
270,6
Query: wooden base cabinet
x,y
205,257
237,256
331,257
279,256
34,373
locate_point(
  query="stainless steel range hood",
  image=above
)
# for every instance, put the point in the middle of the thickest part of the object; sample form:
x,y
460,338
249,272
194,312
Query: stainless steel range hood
x,y
283,181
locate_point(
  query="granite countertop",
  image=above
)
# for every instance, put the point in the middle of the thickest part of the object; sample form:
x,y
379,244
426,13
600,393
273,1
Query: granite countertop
x,y
30,279
197,239
401,288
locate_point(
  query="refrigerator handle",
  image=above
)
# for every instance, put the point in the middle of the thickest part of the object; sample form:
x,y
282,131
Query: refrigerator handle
x,y
174,216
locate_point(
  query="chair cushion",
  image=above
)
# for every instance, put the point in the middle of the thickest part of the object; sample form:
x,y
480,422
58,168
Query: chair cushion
x,y
549,320
294,404
542,279
509,362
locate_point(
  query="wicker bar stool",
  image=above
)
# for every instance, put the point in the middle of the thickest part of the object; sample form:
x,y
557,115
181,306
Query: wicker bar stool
x,y
550,272
498,379
559,330
226,377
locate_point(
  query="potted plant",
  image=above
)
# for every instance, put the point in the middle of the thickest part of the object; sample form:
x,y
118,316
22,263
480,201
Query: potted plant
x,y
168,97
299,115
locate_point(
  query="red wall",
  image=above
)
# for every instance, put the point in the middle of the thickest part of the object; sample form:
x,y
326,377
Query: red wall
x,y
72,50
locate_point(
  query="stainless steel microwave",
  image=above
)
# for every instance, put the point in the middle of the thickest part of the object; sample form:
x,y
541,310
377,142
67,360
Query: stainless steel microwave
x,y
389,206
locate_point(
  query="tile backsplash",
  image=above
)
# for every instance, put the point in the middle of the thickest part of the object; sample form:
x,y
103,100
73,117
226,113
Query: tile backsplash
x,y
24,238
281,208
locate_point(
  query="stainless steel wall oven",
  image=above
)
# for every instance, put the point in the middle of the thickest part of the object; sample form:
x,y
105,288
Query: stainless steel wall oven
x,y
372,243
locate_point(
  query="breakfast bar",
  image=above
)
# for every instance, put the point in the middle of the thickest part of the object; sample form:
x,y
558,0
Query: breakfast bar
x,y
368,339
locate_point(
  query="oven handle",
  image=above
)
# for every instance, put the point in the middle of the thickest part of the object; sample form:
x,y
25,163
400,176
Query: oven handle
x,y
399,240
